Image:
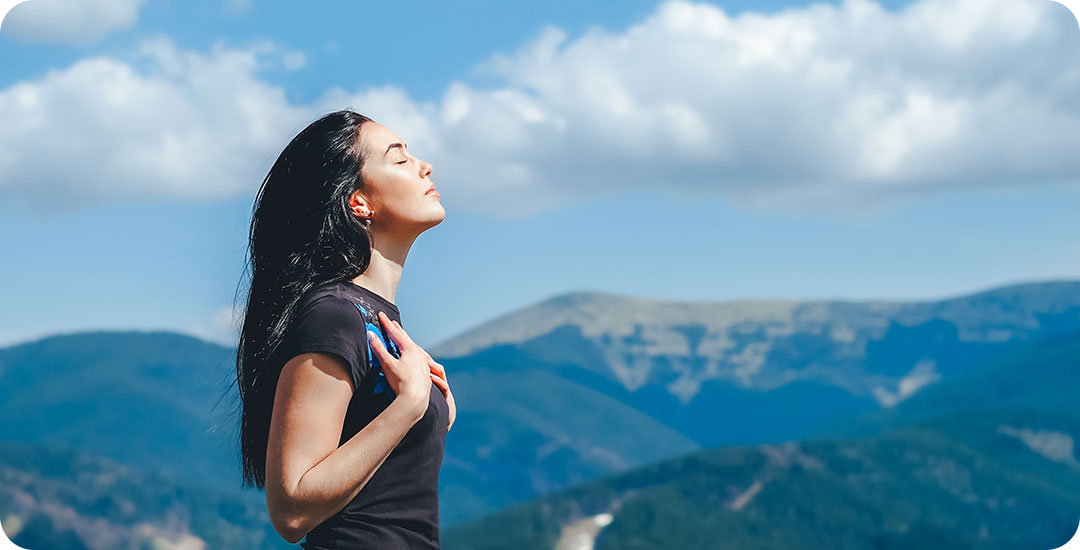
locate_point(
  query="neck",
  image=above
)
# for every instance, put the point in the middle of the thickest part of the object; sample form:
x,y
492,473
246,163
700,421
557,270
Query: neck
x,y
387,261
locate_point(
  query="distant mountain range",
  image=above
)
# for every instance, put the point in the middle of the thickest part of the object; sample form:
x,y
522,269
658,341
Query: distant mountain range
x,y
984,461
1003,479
677,376
572,390
56,498
148,400
867,348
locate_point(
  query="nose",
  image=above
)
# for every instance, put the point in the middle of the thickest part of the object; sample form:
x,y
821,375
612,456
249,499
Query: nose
x,y
426,168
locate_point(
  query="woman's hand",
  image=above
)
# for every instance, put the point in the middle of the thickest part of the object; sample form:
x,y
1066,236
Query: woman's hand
x,y
438,376
409,375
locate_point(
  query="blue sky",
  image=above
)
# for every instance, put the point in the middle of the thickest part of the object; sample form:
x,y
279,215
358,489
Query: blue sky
x,y
678,150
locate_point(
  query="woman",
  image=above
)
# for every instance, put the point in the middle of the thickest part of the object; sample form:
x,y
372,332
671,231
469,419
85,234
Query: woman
x,y
344,417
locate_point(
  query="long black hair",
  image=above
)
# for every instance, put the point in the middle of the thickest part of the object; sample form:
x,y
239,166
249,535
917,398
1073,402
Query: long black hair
x,y
302,235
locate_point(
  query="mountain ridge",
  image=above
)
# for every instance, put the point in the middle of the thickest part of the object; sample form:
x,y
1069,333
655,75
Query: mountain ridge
x,y
560,409
961,480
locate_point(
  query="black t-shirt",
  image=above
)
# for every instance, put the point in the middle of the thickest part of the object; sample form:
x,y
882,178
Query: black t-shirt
x,y
399,505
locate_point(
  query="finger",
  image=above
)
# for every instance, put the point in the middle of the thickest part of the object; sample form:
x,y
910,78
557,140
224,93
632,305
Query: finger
x,y
440,383
391,330
436,365
441,368
377,347
437,372
396,332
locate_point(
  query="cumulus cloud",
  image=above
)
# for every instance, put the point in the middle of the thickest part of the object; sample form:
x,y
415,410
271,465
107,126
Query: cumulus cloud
x,y
824,105
223,327
80,23
817,104
167,123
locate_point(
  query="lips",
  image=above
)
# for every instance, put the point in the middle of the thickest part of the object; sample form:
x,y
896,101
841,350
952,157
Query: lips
x,y
431,190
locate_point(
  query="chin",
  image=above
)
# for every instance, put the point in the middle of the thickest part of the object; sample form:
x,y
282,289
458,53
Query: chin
x,y
438,216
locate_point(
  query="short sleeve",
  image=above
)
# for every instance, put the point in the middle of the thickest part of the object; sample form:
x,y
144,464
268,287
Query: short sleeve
x,y
332,324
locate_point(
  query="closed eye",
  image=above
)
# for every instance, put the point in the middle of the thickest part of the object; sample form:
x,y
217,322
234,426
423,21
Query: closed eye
x,y
404,161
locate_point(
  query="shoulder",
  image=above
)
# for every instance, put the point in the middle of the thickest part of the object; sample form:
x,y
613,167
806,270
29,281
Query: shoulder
x,y
325,297
328,321
325,310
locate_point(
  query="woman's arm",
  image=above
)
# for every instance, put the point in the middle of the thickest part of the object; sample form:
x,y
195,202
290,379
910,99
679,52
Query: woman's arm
x,y
308,477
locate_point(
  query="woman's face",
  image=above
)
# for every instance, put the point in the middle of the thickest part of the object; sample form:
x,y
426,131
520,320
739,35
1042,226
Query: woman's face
x,y
396,184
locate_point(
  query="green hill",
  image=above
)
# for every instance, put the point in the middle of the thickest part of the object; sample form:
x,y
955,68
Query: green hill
x,y
57,498
1002,479
150,400
145,399
987,460
712,373
582,386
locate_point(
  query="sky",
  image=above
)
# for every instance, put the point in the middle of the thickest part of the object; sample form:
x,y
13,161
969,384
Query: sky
x,y
676,150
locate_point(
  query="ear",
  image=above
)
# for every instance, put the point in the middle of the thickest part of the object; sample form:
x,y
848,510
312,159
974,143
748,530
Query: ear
x,y
358,204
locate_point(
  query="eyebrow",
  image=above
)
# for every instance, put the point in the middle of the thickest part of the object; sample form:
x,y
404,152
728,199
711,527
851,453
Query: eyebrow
x,y
392,145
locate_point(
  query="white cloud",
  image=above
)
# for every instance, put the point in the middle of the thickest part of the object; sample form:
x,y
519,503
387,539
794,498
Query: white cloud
x,y
844,106
808,106
223,326
81,23
168,123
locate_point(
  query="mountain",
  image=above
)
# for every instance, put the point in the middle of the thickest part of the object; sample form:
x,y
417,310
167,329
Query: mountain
x,y
988,479
145,399
150,400
715,373
571,390
523,430
1042,375
678,361
987,460
985,479
57,498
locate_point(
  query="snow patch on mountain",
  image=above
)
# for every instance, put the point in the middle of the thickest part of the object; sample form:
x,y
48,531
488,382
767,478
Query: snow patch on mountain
x,y
923,374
